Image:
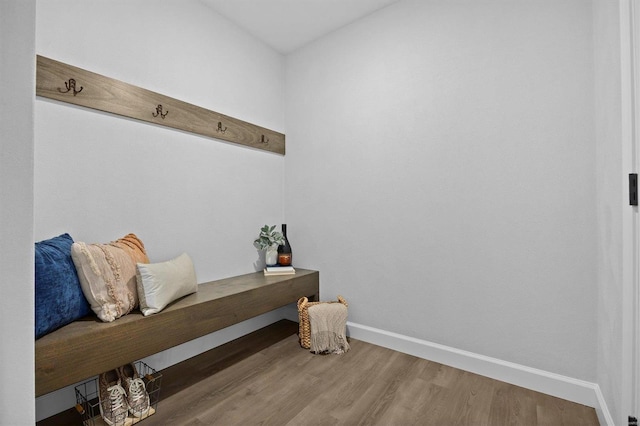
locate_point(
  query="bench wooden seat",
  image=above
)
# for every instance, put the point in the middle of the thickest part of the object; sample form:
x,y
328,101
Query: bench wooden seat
x,y
89,347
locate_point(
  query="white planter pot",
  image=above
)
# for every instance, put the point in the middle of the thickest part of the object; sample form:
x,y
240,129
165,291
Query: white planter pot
x,y
271,256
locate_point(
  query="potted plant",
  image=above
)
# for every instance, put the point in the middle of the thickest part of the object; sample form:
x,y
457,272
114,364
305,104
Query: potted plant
x,y
269,240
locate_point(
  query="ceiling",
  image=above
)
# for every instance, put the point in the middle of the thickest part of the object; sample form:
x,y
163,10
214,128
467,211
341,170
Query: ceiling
x,y
287,25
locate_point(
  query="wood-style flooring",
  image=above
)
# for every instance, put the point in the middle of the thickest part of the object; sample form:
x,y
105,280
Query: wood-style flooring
x,y
266,379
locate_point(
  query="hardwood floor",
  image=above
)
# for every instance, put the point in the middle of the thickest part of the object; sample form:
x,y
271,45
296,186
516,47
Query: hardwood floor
x,y
266,378
285,385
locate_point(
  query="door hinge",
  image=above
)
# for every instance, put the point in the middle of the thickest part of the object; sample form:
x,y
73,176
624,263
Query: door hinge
x,y
633,189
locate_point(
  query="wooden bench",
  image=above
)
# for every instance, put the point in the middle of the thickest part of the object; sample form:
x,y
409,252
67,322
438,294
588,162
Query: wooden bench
x,y
89,347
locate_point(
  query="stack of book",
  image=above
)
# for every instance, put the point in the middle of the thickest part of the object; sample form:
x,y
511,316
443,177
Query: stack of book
x,y
279,270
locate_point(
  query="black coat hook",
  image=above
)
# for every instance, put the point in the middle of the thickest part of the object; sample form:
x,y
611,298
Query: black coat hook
x,y
263,139
71,86
220,129
159,112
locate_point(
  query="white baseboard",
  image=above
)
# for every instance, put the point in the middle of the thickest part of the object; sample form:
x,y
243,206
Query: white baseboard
x,y
604,416
557,385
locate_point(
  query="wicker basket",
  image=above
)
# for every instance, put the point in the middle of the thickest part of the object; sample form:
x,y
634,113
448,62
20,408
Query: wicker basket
x,y
303,317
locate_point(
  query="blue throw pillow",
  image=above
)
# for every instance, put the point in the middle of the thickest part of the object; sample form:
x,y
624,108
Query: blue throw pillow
x,y
59,297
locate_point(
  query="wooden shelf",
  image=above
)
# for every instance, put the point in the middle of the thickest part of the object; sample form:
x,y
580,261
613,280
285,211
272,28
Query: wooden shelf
x,y
67,83
89,347
181,376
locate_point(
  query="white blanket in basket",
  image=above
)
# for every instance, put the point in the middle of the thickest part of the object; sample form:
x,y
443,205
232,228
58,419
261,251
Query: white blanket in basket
x,y
328,323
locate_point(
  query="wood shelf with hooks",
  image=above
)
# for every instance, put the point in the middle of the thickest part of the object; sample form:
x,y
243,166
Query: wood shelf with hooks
x,y
67,83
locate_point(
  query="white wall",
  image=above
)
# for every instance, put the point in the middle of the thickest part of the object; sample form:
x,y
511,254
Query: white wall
x,y
17,68
440,172
98,176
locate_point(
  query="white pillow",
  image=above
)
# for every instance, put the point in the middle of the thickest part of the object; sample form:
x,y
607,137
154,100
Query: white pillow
x,y
161,283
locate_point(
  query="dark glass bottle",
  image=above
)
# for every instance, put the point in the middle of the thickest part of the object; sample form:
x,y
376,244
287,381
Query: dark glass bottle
x,y
284,251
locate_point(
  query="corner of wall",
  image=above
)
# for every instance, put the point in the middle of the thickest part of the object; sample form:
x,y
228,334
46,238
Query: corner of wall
x,y
17,67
